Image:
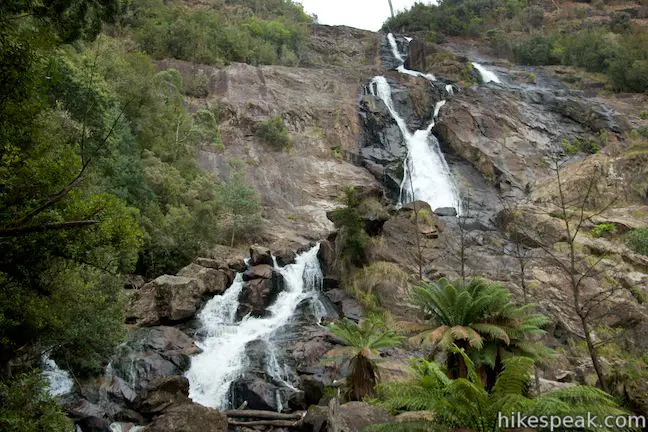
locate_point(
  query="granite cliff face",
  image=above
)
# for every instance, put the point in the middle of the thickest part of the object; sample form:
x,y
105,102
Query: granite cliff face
x,y
499,140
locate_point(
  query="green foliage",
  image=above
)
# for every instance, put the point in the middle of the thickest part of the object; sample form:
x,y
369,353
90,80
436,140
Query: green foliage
x,y
25,406
455,18
584,145
643,115
222,32
480,317
465,404
616,50
363,341
638,240
352,234
603,229
274,133
363,283
97,178
535,50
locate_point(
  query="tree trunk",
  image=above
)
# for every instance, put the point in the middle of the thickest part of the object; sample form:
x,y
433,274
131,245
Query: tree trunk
x,y
277,423
596,362
271,415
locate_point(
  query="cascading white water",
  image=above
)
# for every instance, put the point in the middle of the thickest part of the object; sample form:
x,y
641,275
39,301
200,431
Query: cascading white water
x,y
399,57
430,176
487,76
449,89
223,357
58,380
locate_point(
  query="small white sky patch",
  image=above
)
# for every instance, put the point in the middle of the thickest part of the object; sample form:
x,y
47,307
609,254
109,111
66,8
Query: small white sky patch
x,y
364,14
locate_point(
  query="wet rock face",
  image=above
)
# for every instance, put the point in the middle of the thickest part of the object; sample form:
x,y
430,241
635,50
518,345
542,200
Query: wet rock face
x,y
417,52
153,352
259,291
383,147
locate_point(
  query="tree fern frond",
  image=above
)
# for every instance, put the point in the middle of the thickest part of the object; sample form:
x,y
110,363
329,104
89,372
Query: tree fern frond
x,y
515,376
493,331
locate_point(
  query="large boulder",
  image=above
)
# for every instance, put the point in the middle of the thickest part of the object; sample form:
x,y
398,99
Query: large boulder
x,y
261,271
355,416
260,255
211,280
167,299
164,392
188,417
348,306
263,393
223,258
152,352
258,294
89,416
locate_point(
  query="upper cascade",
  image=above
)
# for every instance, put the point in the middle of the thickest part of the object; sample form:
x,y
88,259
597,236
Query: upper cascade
x,y
427,176
399,57
486,75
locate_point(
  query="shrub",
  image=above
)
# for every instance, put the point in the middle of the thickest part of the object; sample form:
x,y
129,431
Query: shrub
x,y
274,133
25,406
196,85
535,16
536,50
585,145
638,240
602,229
353,237
643,115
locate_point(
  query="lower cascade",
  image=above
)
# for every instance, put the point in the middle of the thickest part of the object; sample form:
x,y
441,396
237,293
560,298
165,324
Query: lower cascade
x,y
59,381
223,357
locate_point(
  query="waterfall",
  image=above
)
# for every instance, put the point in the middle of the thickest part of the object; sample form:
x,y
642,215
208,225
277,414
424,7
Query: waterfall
x,y
487,76
223,357
399,57
431,180
58,380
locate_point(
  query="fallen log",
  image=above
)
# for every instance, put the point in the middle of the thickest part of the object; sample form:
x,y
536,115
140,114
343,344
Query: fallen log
x,y
278,423
272,415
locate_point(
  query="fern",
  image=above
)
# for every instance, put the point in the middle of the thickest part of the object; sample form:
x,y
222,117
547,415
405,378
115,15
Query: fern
x,y
363,342
480,317
464,403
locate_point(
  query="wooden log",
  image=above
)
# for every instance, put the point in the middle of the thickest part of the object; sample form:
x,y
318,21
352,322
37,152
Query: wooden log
x,y
272,415
277,423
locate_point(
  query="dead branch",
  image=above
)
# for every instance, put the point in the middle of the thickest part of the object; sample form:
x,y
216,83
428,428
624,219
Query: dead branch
x,y
264,414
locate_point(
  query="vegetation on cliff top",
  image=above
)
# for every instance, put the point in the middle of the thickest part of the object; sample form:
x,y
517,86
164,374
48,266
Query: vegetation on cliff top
x,y
593,37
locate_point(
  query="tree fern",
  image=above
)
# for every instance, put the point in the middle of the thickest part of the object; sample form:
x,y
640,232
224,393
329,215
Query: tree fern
x,y
465,404
480,317
363,342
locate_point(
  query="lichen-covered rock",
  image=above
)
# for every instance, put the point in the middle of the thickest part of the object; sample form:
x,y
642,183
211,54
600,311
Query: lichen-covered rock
x,y
211,281
164,392
167,299
188,417
355,416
